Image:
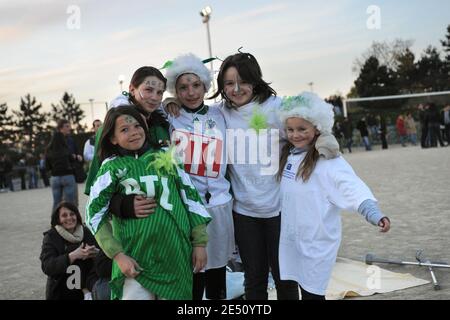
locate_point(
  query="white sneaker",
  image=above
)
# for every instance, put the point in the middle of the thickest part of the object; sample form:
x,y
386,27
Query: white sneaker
x,y
88,296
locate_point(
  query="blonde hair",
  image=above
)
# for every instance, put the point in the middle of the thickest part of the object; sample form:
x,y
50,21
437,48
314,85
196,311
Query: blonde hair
x,y
308,164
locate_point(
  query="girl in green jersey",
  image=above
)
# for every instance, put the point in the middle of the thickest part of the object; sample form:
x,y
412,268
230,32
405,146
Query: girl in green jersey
x,y
153,257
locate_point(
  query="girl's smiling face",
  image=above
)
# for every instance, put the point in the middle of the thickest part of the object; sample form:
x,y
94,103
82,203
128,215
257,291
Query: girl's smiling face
x,y
190,90
237,90
300,132
128,133
149,93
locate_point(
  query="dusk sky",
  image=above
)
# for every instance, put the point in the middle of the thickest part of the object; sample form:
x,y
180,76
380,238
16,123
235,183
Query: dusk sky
x,y
46,48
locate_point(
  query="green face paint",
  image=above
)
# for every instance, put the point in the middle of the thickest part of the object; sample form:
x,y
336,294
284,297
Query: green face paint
x,y
130,119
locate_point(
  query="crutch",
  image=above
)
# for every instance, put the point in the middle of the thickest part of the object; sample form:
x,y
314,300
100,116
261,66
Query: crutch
x,y
370,258
436,285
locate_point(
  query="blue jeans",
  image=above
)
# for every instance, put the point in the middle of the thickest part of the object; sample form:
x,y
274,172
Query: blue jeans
x,y
32,178
367,143
413,138
63,185
101,290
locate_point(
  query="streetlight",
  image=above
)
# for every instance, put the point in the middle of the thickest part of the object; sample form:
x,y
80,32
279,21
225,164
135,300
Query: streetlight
x,y
310,84
206,14
121,79
92,108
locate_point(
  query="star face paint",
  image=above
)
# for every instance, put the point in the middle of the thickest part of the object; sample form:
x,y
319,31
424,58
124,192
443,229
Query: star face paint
x,y
128,133
238,91
129,119
149,93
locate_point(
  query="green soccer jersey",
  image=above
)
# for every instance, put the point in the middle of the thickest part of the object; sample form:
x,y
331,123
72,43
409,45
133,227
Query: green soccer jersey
x,y
157,134
160,243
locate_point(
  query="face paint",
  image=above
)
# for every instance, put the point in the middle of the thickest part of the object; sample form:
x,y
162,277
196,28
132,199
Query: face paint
x,y
237,87
130,119
155,84
189,78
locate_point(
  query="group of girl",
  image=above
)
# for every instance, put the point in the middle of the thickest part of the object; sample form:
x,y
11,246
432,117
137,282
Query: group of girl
x,y
170,226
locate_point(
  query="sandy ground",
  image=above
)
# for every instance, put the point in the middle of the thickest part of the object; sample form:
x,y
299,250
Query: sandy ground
x,y
411,184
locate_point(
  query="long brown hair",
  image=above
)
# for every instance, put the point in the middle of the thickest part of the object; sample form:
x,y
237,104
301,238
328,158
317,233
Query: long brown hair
x,y
308,164
156,118
106,148
249,70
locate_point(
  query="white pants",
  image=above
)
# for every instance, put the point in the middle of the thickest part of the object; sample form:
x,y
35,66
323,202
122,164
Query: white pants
x,y
220,231
132,290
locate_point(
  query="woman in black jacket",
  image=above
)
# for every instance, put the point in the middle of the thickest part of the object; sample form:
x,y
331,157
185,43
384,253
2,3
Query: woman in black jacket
x,y
67,256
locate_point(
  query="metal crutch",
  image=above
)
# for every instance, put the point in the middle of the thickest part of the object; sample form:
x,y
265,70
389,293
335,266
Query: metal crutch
x,y
436,285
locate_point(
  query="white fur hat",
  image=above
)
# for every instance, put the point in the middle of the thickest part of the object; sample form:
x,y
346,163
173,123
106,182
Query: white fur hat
x,y
119,101
310,107
187,63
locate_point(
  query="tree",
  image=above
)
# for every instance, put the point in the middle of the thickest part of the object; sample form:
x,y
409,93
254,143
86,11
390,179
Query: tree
x,y
6,131
70,110
446,45
375,80
407,76
30,122
386,53
432,73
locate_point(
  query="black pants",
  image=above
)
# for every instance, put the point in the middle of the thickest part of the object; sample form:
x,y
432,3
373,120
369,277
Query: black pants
x,y
212,282
447,133
423,136
310,296
384,144
258,240
435,135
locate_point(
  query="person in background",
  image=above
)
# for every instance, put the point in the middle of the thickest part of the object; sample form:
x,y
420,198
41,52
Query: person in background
x,y
383,131
22,171
59,161
362,127
67,243
411,130
89,145
445,120
401,129
5,173
32,165
347,130
434,123
43,170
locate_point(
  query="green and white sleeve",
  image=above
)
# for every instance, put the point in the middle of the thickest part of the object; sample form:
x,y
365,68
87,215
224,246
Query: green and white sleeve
x,y
197,212
102,190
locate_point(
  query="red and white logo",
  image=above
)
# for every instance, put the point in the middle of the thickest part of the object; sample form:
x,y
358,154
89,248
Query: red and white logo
x,y
201,155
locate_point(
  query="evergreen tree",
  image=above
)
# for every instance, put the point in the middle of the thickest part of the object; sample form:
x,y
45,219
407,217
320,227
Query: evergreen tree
x,y
30,122
70,110
6,131
446,45
431,71
406,75
375,80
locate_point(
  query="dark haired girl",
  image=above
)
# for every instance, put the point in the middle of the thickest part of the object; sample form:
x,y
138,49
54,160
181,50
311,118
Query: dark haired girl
x,y
153,257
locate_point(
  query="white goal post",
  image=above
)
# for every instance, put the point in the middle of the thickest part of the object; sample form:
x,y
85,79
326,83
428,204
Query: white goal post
x,y
402,96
